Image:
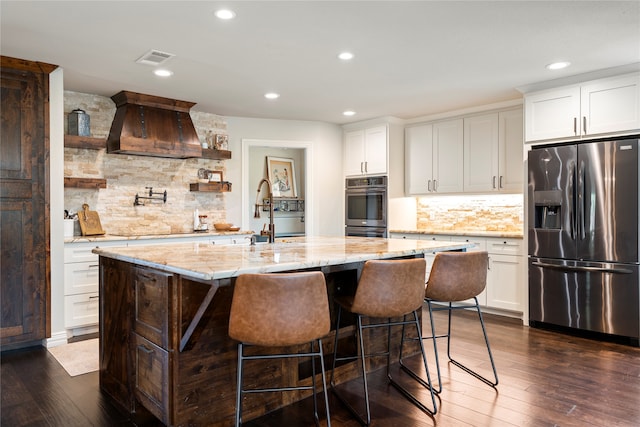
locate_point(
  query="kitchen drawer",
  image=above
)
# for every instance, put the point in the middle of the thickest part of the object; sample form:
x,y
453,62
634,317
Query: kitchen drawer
x,y
81,277
479,242
79,252
153,305
81,310
505,246
152,373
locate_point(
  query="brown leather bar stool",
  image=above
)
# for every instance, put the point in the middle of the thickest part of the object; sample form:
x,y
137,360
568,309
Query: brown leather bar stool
x,y
279,310
457,277
387,289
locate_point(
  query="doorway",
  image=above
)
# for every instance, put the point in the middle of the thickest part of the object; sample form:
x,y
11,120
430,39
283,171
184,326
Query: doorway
x,y
293,216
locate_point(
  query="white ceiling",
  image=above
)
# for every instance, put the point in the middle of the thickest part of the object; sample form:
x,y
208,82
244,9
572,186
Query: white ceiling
x,y
412,58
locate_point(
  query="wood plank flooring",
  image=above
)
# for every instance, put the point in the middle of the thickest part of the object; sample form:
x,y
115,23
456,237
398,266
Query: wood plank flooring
x,y
546,379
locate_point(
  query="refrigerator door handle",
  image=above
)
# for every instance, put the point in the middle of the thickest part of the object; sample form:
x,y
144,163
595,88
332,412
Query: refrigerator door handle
x,y
581,201
582,268
572,203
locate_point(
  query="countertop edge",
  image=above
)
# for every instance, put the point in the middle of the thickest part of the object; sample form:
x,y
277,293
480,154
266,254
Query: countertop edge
x,y
476,233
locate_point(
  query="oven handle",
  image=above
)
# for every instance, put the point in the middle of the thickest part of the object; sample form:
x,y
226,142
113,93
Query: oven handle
x,y
579,268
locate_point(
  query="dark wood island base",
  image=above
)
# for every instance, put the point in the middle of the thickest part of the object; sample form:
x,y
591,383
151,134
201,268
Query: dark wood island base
x,y
164,313
164,346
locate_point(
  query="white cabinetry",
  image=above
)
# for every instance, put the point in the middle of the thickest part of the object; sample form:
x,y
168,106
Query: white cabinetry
x,y
365,151
597,107
506,271
81,295
493,147
433,158
505,279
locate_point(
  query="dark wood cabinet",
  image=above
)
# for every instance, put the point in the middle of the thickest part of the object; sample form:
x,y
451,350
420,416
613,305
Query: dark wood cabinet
x,y
25,282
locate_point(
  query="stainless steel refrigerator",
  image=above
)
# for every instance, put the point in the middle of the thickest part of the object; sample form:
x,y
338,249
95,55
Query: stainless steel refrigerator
x,y
583,238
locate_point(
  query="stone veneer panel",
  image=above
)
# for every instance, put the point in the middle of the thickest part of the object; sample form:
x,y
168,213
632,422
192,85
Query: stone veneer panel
x,y
471,213
128,175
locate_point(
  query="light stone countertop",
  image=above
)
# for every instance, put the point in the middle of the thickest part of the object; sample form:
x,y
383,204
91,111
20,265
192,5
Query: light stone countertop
x,y
506,234
205,261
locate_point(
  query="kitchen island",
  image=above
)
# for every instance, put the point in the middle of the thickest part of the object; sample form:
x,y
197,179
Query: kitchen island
x,y
164,317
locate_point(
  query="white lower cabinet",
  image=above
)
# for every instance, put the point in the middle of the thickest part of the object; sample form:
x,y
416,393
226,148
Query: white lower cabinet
x,y
505,276
81,272
505,279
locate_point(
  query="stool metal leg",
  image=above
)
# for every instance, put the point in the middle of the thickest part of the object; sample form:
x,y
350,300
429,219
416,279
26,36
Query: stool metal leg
x,y
239,387
409,371
362,356
485,380
240,391
427,383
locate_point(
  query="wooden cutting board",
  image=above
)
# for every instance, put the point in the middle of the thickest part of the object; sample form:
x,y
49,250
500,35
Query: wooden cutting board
x,y
89,222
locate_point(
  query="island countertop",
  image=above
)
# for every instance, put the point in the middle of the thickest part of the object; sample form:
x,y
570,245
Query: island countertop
x,y
206,261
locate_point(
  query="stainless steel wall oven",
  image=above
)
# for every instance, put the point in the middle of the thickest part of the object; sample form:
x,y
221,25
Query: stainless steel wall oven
x,y
366,206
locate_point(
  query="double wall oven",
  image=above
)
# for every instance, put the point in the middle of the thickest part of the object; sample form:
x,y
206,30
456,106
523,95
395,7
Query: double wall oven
x,y
366,206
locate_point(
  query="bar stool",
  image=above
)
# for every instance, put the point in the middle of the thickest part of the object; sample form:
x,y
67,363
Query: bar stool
x,y
386,289
456,277
279,310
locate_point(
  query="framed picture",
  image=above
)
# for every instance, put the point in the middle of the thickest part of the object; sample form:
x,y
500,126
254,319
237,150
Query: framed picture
x,y
222,142
282,175
215,176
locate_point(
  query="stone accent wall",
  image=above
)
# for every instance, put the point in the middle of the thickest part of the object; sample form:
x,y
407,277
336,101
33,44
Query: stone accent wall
x,y
471,213
130,175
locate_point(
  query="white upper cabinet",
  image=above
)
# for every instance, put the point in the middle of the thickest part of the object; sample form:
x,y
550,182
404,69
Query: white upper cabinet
x,y
481,153
418,153
597,107
365,151
448,166
493,152
433,158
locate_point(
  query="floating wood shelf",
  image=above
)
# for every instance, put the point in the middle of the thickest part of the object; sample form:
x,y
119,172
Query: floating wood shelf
x,y
213,187
91,183
209,153
74,141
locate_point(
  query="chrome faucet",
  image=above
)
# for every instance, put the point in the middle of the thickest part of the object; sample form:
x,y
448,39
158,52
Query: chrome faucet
x,y
272,228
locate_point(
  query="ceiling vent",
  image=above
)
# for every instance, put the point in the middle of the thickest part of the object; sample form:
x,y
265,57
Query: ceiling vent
x,y
154,57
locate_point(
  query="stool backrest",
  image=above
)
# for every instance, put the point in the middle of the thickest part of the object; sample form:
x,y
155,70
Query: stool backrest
x,y
279,309
457,276
390,288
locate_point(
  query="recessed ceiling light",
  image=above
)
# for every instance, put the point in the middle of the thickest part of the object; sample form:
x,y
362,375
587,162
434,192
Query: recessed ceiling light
x,y
163,73
558,65
345,56
349,113
272,95
225,14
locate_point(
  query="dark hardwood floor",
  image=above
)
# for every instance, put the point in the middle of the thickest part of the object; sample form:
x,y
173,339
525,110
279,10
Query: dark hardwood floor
x,y
546,379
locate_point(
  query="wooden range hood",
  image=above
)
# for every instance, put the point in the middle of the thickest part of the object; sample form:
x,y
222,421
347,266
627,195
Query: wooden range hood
x,y
147,125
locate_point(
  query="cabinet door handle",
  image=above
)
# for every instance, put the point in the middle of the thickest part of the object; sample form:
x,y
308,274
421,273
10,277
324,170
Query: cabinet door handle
x,y
584,124
500,182
435,185
429,186
366,167
94,266
361,167
575,125
494,181
144,349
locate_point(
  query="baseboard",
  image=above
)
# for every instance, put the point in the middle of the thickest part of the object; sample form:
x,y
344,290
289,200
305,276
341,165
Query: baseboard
x,y
59,338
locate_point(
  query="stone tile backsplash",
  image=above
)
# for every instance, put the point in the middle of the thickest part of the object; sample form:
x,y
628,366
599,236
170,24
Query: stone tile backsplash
x,y
471,213
127,175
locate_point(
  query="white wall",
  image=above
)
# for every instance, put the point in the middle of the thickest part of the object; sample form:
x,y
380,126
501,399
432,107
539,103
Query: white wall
x,y
56,205
327,203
